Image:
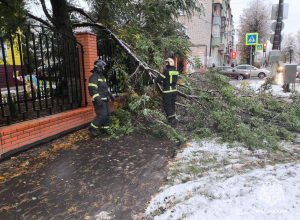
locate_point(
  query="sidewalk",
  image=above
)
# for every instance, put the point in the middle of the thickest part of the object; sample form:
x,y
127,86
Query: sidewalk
x,y
66,179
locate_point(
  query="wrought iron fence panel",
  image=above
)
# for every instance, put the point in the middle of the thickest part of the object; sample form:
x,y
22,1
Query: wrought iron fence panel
x,y
39,73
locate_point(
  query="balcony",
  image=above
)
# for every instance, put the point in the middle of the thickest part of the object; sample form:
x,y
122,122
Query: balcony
x,y
221,47
217,20
215,42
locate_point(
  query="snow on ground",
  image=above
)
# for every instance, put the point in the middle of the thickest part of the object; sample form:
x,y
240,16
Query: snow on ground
x,y
211,181
256,83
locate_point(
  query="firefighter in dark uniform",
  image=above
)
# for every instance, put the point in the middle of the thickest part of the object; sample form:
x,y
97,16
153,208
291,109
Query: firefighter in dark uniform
x,y
98,90
169,78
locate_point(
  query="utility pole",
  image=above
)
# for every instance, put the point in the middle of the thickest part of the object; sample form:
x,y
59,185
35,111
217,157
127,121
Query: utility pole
x,y
291,52
277,37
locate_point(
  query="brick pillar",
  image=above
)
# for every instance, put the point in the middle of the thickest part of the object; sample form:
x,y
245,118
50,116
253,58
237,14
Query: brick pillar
x,y
89,42
185,65
175,62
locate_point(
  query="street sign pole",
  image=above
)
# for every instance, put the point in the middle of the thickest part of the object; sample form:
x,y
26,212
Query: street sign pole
x,y
251,54
251,39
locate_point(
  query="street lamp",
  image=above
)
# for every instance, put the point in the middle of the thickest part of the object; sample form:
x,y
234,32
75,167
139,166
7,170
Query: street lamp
x,y
291,52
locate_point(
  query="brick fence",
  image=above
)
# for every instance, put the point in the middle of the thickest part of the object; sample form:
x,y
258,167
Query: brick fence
x,y
31,133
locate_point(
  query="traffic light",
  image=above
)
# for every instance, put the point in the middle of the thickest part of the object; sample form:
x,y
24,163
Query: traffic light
x,y
265,47
233,55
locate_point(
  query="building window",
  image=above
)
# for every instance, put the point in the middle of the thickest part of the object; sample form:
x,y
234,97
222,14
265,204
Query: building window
x,y
217,10
5,51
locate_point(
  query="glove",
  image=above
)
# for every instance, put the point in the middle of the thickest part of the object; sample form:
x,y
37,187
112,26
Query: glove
x,y
112,97
98,100
150,82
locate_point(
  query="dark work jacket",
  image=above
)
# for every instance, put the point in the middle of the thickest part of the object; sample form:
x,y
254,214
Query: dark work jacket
x,y
98,86
169,78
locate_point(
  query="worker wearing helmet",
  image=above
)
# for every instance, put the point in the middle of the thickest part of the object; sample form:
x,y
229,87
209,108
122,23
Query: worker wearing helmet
x,y
98,90
169,78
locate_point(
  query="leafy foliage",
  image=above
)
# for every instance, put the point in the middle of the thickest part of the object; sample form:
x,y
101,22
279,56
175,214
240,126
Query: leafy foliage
x,y
258,120
12,12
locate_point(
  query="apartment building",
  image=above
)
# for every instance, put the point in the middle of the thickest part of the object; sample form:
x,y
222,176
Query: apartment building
x,y
198,28
222,33
212,33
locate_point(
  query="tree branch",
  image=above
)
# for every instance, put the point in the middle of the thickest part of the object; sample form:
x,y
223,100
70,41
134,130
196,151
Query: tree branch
x,y
40,20
119,43
81,11
45,10
100,12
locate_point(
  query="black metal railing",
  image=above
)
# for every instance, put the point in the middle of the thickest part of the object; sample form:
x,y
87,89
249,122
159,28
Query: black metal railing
x,y
39,73
106,50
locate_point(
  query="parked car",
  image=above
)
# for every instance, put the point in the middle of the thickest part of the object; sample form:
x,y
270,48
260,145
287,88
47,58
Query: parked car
x,y
260,73
231,72
298,72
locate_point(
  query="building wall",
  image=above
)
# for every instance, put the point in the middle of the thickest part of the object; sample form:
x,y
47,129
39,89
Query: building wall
x,y
199,29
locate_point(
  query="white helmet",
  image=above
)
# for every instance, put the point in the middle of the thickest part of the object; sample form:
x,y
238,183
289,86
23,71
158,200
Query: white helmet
x,y
171,61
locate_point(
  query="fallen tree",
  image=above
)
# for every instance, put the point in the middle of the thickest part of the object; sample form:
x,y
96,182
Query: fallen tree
x,y
207,105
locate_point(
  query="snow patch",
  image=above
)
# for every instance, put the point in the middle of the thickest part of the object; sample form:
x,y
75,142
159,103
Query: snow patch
x,y
103,216
212,181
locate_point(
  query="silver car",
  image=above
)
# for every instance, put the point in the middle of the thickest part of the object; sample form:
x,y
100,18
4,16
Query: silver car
x,y
255,72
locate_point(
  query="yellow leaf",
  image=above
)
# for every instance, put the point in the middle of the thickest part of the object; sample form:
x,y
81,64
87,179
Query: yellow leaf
x,y
190,193
95,204
2,177
188,145
87,217
87,136
173,167
265,167
234,166
274,168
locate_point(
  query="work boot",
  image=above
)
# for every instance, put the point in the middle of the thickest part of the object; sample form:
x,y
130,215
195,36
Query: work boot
x,y
93,131
172,121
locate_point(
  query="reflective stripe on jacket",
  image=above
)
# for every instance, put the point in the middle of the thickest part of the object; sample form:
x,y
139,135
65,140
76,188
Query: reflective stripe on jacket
x,y
169,78
98,86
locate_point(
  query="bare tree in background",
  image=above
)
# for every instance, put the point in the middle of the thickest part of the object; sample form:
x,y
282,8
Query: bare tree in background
x,y
255,19
289,48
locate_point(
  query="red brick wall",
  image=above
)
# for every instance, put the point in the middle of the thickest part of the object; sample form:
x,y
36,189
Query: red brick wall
x,y
29,132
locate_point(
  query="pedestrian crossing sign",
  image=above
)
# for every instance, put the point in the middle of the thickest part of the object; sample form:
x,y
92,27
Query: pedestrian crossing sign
x,y
251,38
259,47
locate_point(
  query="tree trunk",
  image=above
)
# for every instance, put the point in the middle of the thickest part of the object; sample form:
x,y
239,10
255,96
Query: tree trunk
x,y
61,18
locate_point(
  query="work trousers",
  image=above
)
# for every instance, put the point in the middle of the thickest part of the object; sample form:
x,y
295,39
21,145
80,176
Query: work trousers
x,y
169,100
102,114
